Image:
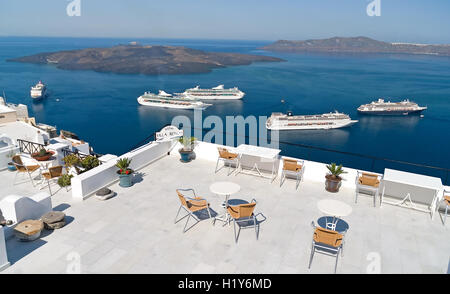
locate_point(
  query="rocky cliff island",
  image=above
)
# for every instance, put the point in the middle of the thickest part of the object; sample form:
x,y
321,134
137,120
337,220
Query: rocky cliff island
x,y
149,60
356,45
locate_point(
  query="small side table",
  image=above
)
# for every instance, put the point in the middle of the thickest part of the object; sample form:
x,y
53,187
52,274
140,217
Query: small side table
x,y
224,189
334,208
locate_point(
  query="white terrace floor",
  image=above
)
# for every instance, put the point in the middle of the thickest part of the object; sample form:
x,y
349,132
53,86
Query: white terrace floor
x,y
134,231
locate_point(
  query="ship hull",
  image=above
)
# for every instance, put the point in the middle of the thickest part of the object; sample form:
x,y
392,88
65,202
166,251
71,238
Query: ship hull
x,y
215,97
167,105
311,127
391,113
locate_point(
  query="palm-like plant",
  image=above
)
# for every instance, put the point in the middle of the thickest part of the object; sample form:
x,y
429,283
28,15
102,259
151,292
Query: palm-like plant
x,y
123,165
187,142
335,170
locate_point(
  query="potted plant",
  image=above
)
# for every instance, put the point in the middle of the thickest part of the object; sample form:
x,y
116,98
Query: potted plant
x,y
42,155
187,150
333,179
124,172
65,181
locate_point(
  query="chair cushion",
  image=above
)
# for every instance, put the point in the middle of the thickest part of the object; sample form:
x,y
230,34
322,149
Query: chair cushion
x,y
32,168
327,237
223,153
369,180
447,199
197,204
291,165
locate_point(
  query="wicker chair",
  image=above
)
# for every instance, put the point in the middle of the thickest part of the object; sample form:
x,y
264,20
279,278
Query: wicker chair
x,y
24,169
191,206
292,167
327,242
243,217
53,173
368,182
228,158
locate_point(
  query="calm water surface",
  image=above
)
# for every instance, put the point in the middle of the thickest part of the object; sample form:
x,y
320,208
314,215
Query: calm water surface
x,y
102,108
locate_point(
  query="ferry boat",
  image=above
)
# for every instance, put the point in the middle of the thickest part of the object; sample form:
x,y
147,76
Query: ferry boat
x,y
215,93
332,120
38,91
163,99
381,107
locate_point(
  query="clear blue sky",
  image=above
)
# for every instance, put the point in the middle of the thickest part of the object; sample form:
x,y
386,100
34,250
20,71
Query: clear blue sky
x,y
401,20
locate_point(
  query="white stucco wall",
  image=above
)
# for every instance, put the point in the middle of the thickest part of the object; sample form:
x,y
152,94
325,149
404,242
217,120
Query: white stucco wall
x,y
91,181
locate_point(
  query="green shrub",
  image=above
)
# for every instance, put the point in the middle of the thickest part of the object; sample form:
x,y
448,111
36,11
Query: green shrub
x,y
89,162
65,180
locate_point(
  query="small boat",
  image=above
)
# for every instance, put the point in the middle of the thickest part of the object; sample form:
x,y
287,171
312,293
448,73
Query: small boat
x,y
165,100
38,91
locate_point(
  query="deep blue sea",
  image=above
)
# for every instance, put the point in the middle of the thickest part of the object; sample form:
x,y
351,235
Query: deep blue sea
x,y
102,108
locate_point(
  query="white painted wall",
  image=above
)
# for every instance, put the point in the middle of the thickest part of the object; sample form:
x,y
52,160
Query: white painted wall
x,y
5,152
20,208
91,181
4,263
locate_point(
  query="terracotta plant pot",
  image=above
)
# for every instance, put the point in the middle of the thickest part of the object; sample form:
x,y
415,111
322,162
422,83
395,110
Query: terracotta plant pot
x,y
43,158
332,184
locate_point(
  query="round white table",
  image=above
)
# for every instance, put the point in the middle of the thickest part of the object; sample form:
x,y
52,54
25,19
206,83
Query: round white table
x,y
224,189
334,208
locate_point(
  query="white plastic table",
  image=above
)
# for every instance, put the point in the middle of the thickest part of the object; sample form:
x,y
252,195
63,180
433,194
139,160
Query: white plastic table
x,y
430,189
334,208
224,189
268,154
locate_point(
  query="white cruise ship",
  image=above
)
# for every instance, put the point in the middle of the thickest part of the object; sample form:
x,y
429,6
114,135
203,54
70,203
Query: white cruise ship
x,y
38,91
163,99
381,107
332,120
215,93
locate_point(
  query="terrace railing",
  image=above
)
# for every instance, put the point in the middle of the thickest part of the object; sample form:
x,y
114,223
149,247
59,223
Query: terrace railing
x,y
354,160
80,156
29,147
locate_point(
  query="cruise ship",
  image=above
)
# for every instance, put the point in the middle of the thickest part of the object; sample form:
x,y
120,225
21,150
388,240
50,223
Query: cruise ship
x,y
215,93
163,99
332,120
38,91
381,107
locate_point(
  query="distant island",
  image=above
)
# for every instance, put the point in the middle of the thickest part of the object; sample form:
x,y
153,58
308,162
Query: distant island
x,y
355,45
148,60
